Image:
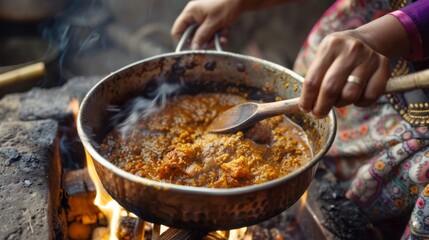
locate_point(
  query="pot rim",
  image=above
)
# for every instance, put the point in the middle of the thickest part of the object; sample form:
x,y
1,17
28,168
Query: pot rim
x,y
192,189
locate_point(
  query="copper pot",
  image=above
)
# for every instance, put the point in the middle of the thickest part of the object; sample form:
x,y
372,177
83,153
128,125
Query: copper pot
x,y
197,207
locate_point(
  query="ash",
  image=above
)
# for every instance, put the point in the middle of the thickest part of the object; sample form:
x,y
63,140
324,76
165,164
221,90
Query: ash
x,y
342,216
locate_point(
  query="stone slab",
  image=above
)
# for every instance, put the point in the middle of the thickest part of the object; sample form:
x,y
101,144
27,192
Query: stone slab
x,y
30,178
53,103
9,107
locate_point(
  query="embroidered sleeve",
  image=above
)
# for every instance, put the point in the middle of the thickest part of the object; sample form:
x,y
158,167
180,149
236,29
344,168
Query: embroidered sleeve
x,y
415,19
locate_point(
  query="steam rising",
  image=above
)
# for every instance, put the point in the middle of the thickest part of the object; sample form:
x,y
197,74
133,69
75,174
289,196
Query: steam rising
x,y
141,108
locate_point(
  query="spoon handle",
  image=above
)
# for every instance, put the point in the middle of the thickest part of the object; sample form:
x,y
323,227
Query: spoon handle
x,y
278,108
396,84
408,82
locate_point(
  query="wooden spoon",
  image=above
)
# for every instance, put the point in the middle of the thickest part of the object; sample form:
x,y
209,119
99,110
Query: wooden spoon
x,y
247,114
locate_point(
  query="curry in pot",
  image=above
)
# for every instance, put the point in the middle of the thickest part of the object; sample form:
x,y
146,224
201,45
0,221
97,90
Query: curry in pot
x,y
173,146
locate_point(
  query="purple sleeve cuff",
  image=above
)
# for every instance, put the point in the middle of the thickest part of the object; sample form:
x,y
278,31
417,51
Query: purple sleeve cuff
x,y
413,34
415,19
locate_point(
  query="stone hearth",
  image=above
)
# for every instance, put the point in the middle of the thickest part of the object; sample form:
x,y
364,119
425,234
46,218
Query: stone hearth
x,y
31,130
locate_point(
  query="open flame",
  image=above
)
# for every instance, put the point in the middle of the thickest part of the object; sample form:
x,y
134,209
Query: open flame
x,y
301,207
109,207
74,108
236,234
303,200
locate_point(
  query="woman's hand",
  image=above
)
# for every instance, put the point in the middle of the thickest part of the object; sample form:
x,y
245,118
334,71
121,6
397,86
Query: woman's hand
x,y
211,15
345,71
352,67
215,16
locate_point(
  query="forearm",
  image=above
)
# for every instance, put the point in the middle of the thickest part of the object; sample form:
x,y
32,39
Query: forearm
x,y
402,33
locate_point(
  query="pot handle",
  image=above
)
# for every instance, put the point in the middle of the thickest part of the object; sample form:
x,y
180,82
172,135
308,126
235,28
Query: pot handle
x,y
187,34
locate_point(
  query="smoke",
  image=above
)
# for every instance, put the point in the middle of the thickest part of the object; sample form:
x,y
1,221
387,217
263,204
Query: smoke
x,y
96,37
75,31
141,107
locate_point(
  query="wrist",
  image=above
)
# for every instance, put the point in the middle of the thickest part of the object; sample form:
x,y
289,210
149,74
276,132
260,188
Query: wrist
x,y
386,36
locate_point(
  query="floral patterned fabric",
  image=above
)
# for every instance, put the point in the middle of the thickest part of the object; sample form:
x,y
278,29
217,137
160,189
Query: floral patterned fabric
x,y
383,162
381,159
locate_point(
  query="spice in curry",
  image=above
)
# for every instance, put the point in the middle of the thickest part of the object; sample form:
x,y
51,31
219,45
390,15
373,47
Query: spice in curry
x,y
173,146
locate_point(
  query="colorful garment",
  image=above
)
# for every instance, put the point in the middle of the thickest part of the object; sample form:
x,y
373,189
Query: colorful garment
x,y
381,153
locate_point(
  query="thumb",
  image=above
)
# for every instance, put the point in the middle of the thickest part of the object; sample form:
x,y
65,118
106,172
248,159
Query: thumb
x,y
180,25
